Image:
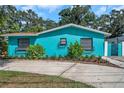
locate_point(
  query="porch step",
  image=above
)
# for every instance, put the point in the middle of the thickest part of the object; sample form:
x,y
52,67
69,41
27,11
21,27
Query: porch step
x,y
114,61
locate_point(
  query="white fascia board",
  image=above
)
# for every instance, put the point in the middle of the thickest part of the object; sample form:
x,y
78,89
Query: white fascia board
x,y
74,25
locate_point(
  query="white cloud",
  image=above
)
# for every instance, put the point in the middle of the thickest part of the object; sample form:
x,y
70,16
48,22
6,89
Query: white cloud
x,y
27,7
101,10
50,8
119,7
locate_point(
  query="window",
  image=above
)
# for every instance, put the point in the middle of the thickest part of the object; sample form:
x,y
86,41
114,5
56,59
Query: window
x,y
63,41
23,42
87,43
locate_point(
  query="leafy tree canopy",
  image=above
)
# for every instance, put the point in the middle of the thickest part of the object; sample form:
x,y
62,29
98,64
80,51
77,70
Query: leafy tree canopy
x,y
13,20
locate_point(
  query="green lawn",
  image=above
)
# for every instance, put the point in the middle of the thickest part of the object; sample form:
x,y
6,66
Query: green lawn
x,y
22,79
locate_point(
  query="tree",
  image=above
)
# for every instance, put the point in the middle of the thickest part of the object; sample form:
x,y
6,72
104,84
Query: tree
x,y
48,24
9,22
117,22
29,21
112,23
13,20
2,18
80,15
103,22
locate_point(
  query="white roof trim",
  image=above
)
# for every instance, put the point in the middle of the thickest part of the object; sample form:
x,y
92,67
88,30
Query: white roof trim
x,y
78,26
61,27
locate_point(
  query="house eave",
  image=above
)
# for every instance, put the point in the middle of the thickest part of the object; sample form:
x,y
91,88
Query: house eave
x,y
10,35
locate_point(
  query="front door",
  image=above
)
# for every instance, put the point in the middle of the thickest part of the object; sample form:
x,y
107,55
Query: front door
x,y
114,49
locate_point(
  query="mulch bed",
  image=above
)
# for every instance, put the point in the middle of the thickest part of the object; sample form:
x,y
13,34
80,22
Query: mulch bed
x,y
88,62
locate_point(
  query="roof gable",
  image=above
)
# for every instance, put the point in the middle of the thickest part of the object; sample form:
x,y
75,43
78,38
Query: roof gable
x,y
58,28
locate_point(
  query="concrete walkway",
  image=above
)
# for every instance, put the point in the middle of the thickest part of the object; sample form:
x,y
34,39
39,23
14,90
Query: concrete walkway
x,y
119,61
98,76
119,58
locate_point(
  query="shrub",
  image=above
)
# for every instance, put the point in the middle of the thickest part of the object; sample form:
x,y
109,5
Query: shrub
x,y
22,57
46,57
92,57
82,58
75,50
4,46
35,52
53,57
87,58
99,59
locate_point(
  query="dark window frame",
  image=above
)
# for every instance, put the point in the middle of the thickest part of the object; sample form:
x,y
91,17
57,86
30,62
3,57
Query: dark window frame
x,y
91,43
23,39
65,41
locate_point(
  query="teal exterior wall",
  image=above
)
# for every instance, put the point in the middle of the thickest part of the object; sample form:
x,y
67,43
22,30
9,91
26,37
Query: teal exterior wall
x,y
119,49
50,41
109,49
13,44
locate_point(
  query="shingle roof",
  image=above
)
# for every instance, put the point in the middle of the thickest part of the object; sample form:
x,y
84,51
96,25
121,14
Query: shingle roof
x,y
57,28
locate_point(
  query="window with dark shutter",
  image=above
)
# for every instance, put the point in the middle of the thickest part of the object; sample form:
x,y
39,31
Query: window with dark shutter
x,y
23,42
87,43
63,41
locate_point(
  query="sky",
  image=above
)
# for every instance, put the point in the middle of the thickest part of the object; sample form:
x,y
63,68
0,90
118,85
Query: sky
x,y
51,11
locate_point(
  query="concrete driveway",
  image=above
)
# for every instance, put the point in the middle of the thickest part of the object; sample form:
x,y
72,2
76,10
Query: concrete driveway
x,y
98,76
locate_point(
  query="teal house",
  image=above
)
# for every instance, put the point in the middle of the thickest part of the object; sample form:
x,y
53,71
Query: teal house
x,y
57,40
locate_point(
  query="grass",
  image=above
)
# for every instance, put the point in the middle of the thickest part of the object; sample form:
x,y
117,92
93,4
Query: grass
x,y
14,79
